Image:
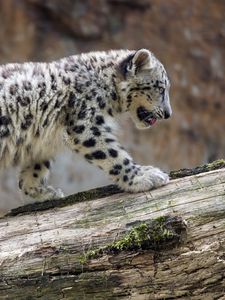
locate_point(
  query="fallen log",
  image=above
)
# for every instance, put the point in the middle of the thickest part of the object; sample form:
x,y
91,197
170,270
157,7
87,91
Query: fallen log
x,y
167,243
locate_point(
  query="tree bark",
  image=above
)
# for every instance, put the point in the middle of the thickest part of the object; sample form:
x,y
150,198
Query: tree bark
x,y
80,248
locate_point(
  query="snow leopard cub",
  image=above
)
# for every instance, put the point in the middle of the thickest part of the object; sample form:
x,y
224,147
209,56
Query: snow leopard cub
x,y
73,101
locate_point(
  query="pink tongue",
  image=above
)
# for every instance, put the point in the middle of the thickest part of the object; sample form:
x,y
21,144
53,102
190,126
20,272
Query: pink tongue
x,y
152,121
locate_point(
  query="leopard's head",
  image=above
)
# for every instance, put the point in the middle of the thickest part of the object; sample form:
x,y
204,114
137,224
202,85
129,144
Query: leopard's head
x,y
144,88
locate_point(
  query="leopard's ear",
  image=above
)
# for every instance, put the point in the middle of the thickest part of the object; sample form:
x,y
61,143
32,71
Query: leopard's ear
x,y
137,62
141,60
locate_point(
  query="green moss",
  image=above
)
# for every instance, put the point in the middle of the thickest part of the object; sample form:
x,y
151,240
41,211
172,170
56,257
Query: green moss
x,y
217,164
163,232
133,239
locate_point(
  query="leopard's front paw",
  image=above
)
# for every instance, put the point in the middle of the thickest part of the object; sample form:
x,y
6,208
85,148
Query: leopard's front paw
x,y
146,179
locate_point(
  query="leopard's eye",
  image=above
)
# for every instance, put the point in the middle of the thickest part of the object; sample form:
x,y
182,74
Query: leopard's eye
x,y
161,90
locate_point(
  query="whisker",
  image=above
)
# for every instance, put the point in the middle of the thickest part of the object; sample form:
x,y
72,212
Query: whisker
x,y
159,114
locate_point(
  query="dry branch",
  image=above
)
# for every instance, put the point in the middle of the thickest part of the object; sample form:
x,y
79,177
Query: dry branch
x,y
120,245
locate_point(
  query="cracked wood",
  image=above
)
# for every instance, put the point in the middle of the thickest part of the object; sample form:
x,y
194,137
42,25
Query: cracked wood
x,y
40,251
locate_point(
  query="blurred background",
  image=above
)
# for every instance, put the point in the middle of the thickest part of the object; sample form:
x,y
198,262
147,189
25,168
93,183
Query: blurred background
x,y
187,36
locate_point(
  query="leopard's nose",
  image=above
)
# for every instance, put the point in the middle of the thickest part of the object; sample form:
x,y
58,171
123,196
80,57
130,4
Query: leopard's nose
x,y
167,114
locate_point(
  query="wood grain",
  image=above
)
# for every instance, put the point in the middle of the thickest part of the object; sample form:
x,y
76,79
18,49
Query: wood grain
x,y
40,251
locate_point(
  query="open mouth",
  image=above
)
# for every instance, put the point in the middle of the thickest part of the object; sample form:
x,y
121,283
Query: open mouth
x,y
146,116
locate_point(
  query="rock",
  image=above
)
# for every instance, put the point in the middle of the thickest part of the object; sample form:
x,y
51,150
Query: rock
x,y
189,40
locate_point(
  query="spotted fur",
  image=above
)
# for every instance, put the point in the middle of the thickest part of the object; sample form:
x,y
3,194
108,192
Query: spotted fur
x,y
73,102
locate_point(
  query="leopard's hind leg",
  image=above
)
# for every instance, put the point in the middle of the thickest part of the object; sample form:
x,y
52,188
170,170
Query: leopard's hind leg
x,y
33,182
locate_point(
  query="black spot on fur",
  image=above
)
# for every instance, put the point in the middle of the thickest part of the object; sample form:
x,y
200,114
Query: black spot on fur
x,y
13,89
126,161
44,106
45,122
95,131
93,92
110,112
125,178
35,175
23,101
89,143
79,128
68,130
117,167
108,140
76,141
129,102
87,83
79,88
6,73
156,85
114,172
113,95
132,177
42,93
123,67
108,129
101,102
54,86
73,68
26,101
52,77
57,104
67,118
99,120
42,85
47,164
88,156
37,167
37,134
83,106
27,122
27,86
71,100
66,80
81,115
71,123
98,154
4,132
4,120
11,108
113,152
